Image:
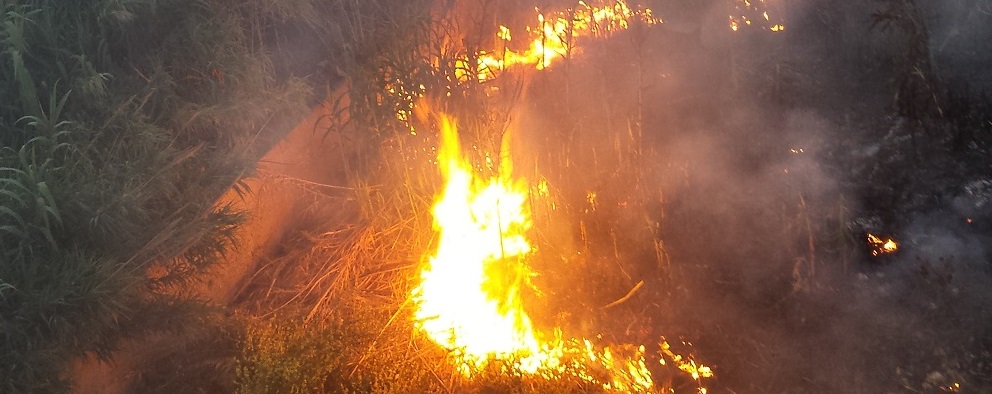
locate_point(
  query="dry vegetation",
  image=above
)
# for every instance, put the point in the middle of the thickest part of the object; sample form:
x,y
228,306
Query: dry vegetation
x,y
348,273
666,216
647,237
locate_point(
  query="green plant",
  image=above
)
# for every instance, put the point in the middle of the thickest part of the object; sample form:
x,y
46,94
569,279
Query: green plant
x,y
352,353
287,357
121,122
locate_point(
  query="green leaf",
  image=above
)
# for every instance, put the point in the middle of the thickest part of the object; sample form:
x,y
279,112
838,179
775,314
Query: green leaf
x,y
55,107
14,182
51,207
11,213
29,94
12,230
13,28
13,196
45,229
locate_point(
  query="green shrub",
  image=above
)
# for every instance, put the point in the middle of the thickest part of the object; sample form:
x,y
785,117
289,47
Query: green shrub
x,y
121,122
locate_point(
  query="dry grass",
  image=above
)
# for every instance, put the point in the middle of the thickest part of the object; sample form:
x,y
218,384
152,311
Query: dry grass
x,y
347,273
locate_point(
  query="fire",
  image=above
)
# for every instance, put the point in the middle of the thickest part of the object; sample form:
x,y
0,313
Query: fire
x,y
470,296
881,246
754,13
687,365
481,224
554,35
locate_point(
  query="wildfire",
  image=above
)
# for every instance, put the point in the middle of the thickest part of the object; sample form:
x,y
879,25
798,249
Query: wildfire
x,y
881,246
753,13
481,225
554,35
470,296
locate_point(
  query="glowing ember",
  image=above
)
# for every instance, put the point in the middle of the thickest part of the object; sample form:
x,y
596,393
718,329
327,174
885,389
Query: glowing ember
x,y
469,299
881,246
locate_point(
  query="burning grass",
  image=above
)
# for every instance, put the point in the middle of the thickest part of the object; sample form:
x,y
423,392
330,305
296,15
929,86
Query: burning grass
x,y
364,272
616,240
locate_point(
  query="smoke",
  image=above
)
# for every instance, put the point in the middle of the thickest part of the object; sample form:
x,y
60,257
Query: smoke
x,y
754,160
961,40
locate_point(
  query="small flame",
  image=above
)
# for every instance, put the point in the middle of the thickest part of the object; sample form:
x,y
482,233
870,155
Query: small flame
x,y
504,33
748,13
881,246
687,365
554,34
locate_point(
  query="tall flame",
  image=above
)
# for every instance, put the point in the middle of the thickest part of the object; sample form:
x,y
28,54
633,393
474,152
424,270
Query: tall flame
x,y
464,301
470,300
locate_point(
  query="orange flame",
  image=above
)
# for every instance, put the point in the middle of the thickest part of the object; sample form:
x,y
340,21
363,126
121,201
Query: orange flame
x,y
481,224
553,37
748,13
469,299
881,246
